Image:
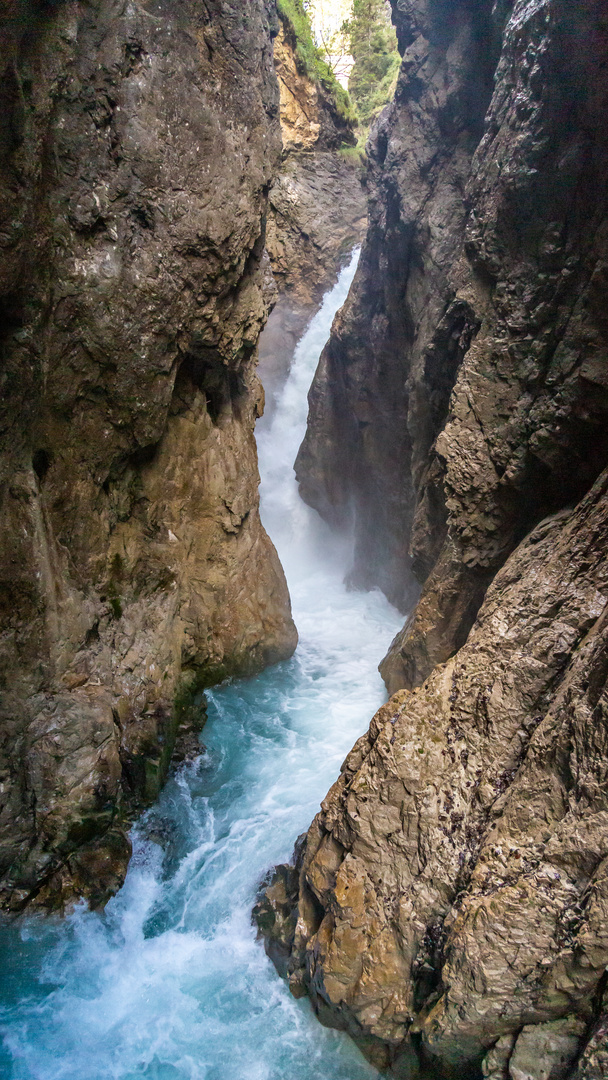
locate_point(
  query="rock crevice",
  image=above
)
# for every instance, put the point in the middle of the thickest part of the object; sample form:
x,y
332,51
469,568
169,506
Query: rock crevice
x,y
138,147
448,905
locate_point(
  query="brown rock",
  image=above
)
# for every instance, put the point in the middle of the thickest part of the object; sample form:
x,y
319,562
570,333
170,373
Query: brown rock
x,y
316,212
316,217
456,875
311,118
461,397
547,1051
138,146
453,894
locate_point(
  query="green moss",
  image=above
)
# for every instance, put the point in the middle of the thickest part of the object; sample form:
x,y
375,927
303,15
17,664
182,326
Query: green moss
x,y
355,155
116,567
309,57
114,600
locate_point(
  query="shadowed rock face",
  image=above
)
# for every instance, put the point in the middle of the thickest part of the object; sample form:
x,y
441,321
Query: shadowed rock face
x,y
138,145
448,907
462,395
317,208
316,217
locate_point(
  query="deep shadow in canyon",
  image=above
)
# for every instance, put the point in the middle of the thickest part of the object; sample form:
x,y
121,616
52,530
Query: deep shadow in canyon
x,y
158,164
448,906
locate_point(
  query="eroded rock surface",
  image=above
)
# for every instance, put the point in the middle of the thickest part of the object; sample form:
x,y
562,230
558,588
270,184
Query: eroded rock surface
x,y
310,116
451,900
462,395
453,889
316,218
317,208
138,145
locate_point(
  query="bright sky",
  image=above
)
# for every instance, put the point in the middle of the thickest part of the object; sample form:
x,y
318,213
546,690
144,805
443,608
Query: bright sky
x,y
331,13
327,17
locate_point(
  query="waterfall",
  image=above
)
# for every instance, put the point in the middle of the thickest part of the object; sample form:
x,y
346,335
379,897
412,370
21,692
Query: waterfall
x,y
169,983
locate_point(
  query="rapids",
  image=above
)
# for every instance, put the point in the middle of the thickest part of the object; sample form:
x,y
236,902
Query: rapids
x,y
169,982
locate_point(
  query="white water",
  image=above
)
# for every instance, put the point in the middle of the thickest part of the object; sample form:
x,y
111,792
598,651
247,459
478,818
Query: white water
x,y
169,983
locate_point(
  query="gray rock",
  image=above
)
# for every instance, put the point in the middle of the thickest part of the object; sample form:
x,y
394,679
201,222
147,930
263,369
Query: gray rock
x,y
453,888
461,397
547,1051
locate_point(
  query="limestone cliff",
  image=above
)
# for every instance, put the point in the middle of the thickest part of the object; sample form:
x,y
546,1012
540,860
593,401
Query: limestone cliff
x,y
317,211
453,892
138,143
449,905
311,116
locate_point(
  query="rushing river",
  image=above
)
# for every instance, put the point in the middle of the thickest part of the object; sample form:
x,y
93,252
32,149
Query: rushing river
x,y
169,982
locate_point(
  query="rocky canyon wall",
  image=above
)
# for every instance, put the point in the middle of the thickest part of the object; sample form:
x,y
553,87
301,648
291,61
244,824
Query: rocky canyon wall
x,y
462,394
317,205
138,143
449,904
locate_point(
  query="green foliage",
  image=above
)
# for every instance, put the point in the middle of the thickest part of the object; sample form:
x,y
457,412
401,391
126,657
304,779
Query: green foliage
x,y
355,155
310,58
373,46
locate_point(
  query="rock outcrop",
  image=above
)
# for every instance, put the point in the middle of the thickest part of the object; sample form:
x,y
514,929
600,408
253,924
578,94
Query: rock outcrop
x,y
317,206
453,889
138,143
462,395
311,118
316,217
449,905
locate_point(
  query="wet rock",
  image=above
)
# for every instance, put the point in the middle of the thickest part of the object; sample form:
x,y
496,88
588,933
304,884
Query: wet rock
x,y
137,148
453,896
453,887
316,217
461,397
311,118
593,1063
317,211
547,1051
275,914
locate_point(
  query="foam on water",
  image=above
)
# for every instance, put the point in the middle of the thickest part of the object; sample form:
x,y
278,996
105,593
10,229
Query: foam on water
x,y
169,982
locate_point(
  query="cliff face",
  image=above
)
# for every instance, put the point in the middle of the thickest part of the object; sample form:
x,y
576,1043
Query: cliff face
x,y
449,905
453,889
138,145
311,118
317,211
462,394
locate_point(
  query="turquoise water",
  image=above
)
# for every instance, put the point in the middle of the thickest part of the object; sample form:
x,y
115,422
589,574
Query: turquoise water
x,y
169,982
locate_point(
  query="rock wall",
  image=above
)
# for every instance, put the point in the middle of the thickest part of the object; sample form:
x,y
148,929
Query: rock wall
x,y
453,889
311,118
316,217
317,207
138,144
462,395
448,906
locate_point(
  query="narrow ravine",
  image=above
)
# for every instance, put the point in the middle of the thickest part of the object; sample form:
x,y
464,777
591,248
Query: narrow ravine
x,y
169,982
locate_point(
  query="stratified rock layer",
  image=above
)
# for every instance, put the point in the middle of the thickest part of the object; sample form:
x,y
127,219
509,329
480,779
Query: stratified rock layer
x,y
138,143
316,217
449,906
310,116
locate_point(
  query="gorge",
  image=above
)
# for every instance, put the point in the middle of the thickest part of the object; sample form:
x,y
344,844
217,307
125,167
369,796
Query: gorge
x,y
163,168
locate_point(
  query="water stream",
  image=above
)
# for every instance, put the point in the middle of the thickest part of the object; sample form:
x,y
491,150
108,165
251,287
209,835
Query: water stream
x,y
169,982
